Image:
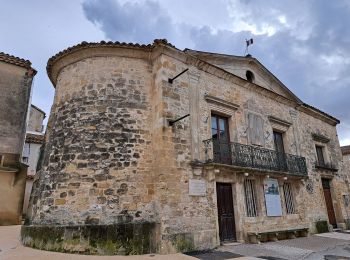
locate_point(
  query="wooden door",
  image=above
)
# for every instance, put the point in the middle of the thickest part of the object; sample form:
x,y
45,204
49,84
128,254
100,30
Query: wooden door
x,y
329,202
221,139
227,229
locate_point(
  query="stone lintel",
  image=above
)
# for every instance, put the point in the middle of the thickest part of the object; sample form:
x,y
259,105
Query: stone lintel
x,y
279,121
320,138
221,102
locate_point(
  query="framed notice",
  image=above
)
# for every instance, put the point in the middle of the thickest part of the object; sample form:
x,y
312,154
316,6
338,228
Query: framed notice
x,y
272,198
197,187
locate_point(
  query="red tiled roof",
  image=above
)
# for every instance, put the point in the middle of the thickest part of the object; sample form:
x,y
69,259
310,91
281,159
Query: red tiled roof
x,y
16,61
345,150
34,138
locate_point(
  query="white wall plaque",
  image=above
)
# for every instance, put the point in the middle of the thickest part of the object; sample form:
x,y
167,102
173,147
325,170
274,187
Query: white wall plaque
x,y
272,198
197,187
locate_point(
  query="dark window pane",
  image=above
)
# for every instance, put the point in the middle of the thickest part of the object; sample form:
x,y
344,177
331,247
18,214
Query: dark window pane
x,y
320,158
278,139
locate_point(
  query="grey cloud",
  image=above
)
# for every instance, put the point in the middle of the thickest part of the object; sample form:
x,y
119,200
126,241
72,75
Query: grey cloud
x,y
309,52
140,22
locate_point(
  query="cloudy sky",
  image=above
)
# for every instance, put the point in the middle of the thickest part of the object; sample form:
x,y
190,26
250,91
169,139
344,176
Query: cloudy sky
x,y
306,44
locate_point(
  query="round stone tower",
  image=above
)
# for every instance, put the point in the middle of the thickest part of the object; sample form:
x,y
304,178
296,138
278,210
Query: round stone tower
x,y
93,193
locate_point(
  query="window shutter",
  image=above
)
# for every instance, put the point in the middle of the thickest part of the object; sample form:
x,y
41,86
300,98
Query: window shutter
x,y
255,127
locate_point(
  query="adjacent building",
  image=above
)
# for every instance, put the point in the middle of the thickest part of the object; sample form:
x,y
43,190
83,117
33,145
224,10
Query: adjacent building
x,y
16,77
346,169
32,148
155,149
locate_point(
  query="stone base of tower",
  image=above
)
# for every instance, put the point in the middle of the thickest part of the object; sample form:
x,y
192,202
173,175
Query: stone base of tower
x,y
116,239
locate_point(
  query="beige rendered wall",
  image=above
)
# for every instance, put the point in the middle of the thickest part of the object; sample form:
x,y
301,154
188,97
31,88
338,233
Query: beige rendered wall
x,y
35,122
11,195
15,87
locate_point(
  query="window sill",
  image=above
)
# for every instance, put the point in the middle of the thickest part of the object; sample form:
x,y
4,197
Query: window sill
x,y
326,167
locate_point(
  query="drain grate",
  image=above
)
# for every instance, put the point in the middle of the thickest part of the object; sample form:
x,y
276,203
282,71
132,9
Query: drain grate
x,y
213,255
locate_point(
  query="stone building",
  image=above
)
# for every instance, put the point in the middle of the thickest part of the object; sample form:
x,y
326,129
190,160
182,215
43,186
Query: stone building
x,y
153,149
16,76
32,147
346,169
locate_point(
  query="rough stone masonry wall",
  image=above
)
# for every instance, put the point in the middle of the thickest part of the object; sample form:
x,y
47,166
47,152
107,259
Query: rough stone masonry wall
x,y
298,140
97,165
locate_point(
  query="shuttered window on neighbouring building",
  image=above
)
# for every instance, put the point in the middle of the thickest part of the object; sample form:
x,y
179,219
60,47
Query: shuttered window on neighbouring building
x,y
250,198
288,198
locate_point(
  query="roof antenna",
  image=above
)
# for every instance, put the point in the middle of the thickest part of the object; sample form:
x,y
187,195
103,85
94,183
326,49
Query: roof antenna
x,y
248,42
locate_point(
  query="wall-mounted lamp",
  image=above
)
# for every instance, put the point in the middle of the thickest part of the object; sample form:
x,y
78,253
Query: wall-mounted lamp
x,y
246,174
217,170
285,178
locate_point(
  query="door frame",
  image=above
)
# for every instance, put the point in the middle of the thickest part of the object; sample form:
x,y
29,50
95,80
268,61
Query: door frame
x,y
234,205
331,197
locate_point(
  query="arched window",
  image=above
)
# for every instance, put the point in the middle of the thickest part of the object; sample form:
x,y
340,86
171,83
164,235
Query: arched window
x,y
250,76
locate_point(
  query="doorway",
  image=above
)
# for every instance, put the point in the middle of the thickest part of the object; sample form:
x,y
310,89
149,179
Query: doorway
x,y
227,228
329,203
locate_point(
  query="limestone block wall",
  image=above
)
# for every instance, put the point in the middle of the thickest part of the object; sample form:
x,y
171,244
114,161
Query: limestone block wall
x,y
111,157
298,140
97,167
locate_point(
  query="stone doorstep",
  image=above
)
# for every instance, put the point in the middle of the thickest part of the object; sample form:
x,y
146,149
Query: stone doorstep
x,y
230,243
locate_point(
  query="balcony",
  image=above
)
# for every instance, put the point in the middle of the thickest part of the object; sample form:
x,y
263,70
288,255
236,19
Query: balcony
x,y
247,156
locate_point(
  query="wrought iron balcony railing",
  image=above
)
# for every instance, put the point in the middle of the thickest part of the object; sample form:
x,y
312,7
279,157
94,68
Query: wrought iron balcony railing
x,y
253,157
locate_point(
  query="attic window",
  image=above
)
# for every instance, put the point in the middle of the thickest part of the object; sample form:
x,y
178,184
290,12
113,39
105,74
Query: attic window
x,y
250,76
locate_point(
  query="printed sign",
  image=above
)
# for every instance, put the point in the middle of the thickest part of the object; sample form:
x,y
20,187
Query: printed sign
x,y
272,198
197,187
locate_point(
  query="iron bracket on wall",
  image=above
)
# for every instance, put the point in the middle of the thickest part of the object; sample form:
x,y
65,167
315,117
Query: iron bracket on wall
x,y
178,75
172,122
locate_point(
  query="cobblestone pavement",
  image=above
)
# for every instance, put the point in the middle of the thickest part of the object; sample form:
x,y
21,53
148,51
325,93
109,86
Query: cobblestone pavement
x,y
328,246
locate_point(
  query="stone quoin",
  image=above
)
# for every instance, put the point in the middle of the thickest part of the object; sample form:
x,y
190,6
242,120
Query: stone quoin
x,y
117,179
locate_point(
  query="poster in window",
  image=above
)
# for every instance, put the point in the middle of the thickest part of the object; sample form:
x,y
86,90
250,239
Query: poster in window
x,y
272,198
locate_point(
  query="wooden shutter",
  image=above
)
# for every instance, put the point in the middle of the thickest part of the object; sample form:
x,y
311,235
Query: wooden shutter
x,y
255,127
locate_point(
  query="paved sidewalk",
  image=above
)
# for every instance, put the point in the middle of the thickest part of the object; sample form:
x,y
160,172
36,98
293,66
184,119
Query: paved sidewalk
x,y
11,249
328,246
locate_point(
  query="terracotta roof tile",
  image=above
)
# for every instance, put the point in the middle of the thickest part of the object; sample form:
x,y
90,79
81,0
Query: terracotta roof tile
x,y
84,45
345,150
16,61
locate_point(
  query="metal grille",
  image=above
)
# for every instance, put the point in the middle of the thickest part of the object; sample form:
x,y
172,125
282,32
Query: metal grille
x,y
254,157
250,199
288,198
